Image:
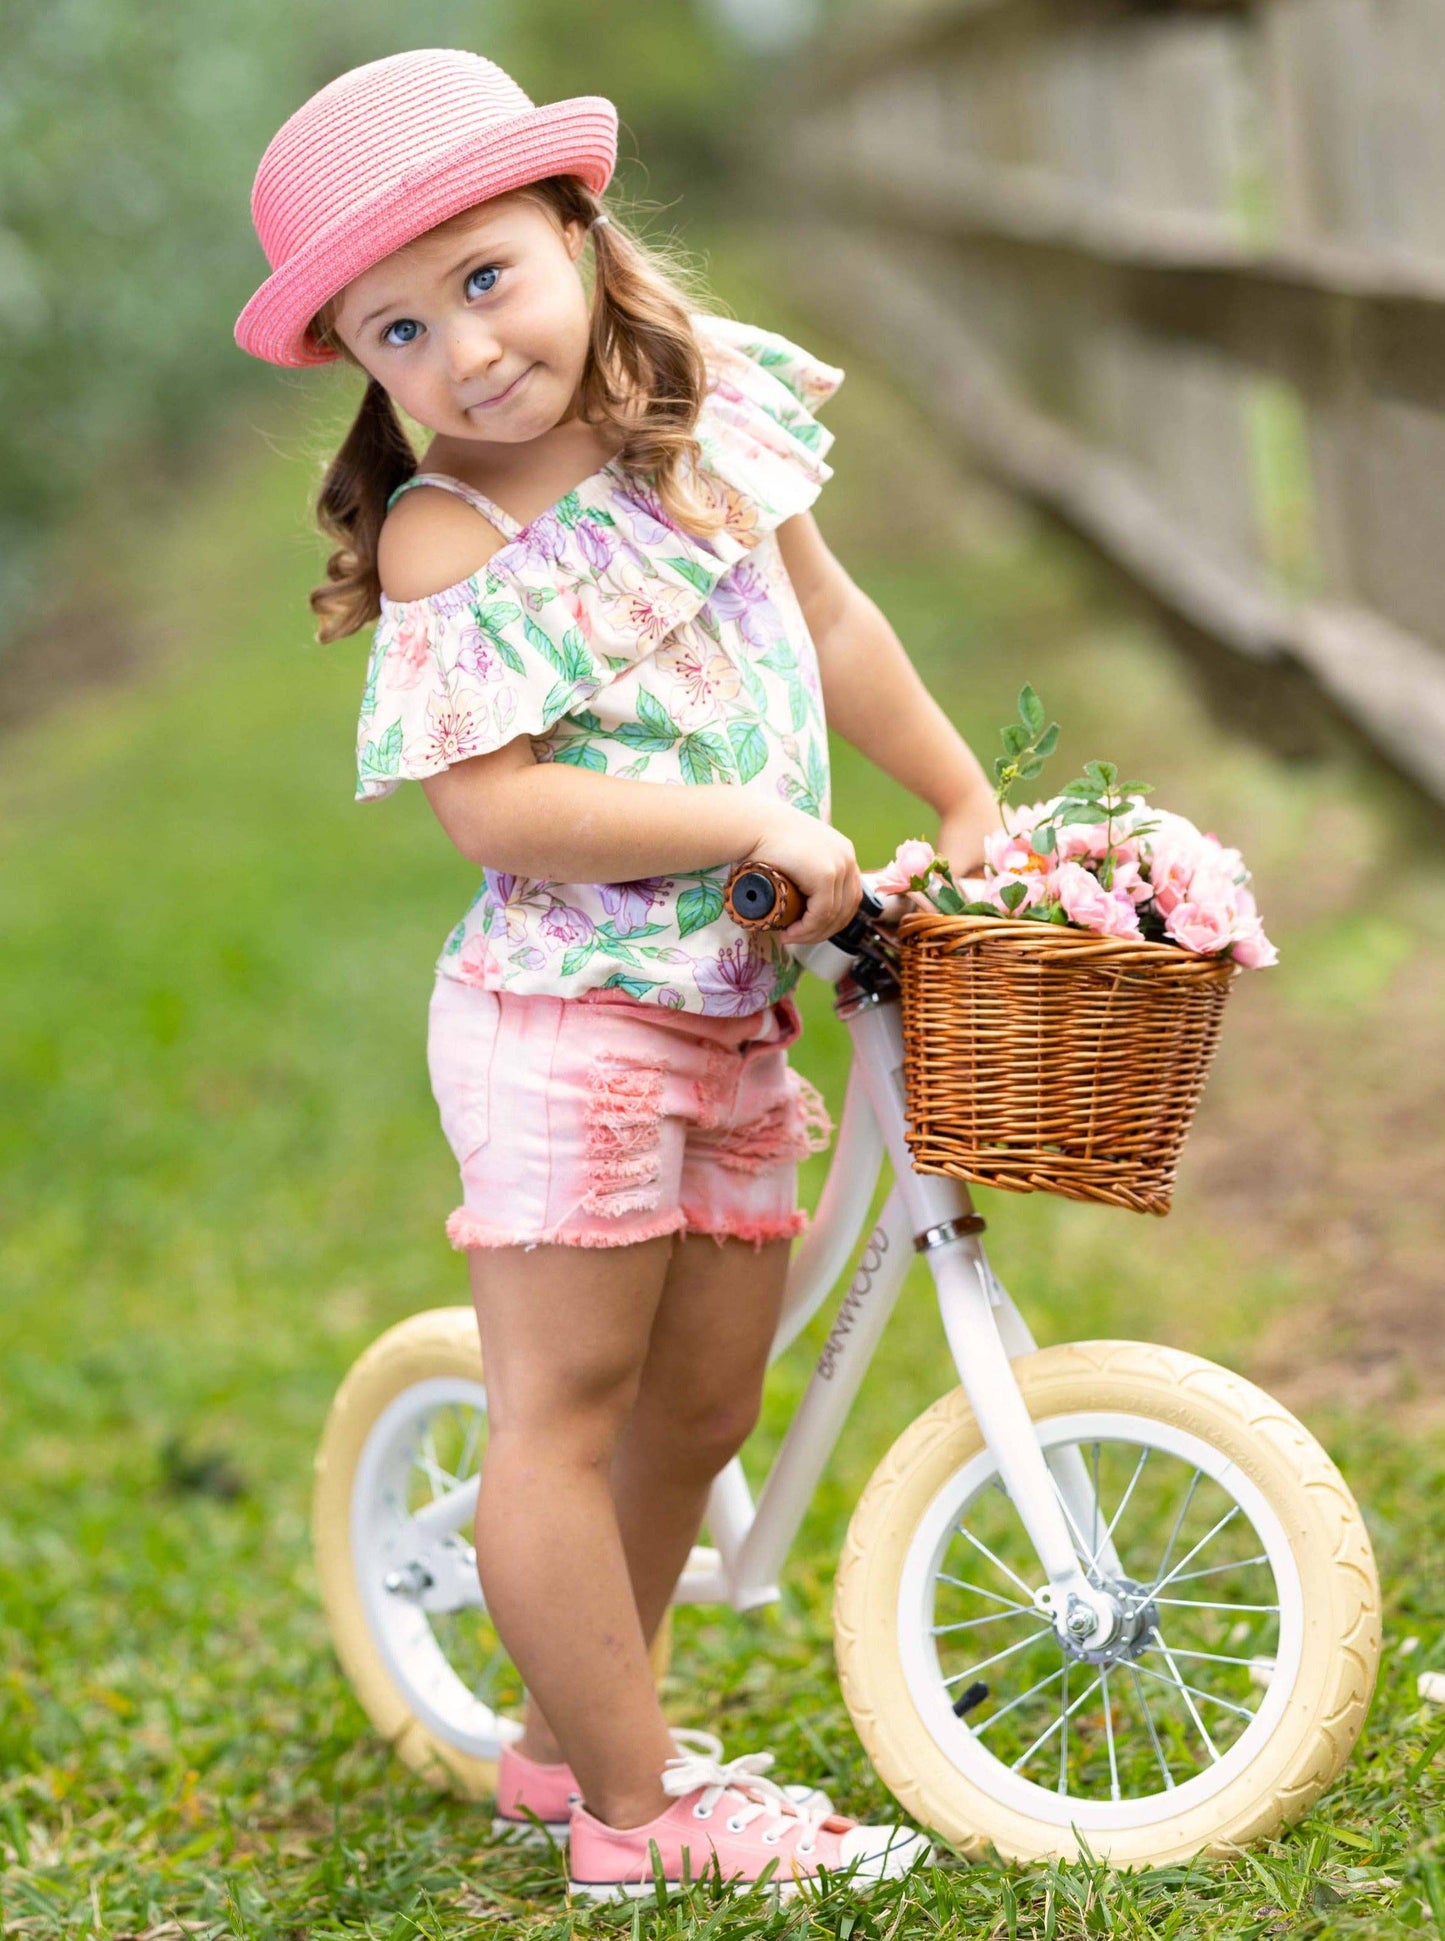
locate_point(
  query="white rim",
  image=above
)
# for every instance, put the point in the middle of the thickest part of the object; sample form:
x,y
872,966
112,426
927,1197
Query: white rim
x,y
924,1675
383,1540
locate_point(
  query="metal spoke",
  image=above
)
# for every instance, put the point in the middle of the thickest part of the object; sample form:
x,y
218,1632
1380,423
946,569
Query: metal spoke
x,y
1064,1734
1123,1505
1183,1691
1215,1570
1007,1652
1223,1523
1014,1703
1217,1656
1198,1604
1178,1526
1114,1792
429,1463
997,1562
1079,1538
1143,1698
989,1617
962,1584
1062,1719
1198,1691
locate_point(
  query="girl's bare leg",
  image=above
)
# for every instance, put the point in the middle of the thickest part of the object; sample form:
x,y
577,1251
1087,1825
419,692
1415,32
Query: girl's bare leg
x,y
697,1403
565,1334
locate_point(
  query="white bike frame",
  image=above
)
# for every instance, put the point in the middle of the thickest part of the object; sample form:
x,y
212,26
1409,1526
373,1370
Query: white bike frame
x,y
926,1213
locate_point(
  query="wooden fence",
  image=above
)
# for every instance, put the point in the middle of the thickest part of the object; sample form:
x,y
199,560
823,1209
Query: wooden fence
x,y
1177,272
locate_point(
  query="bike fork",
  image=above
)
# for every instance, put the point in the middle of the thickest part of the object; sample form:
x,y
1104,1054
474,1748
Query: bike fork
x,y
946,1228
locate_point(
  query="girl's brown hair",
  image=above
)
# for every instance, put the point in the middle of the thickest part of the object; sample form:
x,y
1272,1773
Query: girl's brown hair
x,y
641,347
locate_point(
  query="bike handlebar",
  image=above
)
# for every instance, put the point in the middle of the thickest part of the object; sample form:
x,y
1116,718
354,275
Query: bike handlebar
x,y
759,897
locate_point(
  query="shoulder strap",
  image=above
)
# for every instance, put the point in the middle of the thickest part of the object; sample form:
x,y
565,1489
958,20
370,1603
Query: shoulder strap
x,y
489,509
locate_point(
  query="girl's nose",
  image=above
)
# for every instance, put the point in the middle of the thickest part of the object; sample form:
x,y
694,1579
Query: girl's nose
x,y
472,352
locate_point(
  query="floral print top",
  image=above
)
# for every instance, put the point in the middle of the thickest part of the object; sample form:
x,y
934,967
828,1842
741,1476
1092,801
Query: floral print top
x,y
620,642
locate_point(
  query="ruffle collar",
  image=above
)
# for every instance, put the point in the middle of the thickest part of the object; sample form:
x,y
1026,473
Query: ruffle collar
x,y
610,540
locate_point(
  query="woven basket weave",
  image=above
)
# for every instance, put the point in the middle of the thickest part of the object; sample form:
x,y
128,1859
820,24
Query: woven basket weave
x,y
1041,1058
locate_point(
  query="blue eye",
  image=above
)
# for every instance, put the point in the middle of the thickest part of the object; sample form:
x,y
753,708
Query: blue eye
x,y
409,323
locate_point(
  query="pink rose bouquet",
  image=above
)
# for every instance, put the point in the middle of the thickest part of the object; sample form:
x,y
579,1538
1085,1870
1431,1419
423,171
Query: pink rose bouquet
x,y
1094,857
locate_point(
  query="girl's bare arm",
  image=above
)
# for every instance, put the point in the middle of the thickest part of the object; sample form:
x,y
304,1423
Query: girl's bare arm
x,y
875,699
547,820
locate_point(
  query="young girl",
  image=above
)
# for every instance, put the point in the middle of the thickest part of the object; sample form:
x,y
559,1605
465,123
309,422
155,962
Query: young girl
x,y
608,634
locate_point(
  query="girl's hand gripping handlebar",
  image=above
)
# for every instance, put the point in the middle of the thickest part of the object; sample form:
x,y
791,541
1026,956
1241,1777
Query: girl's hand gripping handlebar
x,y
759,897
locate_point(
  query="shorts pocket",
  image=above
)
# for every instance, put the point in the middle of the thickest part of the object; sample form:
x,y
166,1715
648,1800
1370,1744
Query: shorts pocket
x,y
462,1032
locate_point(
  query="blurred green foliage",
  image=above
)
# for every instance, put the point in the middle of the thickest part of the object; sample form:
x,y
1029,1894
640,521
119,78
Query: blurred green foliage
x,y
129,136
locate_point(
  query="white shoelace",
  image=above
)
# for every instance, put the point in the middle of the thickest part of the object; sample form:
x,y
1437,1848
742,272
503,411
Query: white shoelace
x,y
742,1780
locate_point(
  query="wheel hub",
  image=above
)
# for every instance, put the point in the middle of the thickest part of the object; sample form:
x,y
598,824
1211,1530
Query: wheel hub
x,y
1135,1617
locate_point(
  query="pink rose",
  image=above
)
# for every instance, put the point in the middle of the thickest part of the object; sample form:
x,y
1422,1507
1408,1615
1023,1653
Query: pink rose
x,y
1085,900
1252,948
910,859
1203,928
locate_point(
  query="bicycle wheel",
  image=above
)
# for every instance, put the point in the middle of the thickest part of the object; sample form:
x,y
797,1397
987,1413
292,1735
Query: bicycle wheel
x,y
1248,1638
405,1609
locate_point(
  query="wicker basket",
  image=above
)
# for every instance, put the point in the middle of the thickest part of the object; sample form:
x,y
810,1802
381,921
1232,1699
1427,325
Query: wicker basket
x,y
1041,1058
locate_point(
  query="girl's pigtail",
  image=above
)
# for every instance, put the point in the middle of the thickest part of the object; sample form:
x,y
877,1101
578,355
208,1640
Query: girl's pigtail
x,y
375,457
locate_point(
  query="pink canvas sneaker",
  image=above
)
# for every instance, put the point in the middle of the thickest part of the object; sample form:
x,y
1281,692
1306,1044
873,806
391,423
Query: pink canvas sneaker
x,y
748,1822
525,1787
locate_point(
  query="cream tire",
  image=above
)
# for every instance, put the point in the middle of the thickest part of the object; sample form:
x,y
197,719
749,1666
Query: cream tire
x,y
1322,1548
435,1354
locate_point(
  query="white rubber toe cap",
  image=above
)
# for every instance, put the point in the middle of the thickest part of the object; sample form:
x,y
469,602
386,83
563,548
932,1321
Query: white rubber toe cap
x,y
884,1852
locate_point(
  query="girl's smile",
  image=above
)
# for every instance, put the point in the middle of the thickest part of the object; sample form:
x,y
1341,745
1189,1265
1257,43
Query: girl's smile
x,y
490,404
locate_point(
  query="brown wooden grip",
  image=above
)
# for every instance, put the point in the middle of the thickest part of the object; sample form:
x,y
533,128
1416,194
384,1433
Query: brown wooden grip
x,y
759,897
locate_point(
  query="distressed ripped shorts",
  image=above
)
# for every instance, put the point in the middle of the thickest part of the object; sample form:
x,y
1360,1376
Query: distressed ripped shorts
x,y
597,1122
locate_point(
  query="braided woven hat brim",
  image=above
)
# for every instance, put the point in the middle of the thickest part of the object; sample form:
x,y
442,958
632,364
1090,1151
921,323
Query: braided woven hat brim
x,y
384,153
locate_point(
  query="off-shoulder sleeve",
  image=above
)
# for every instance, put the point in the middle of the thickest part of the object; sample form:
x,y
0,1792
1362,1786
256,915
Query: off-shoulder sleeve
x,y
467,670
759,430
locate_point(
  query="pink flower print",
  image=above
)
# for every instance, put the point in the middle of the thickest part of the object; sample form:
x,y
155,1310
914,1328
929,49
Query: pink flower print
x,y
706,674
454,730
478,963
670,999
565,925
578,608
647,611
735,982
407,656
630,904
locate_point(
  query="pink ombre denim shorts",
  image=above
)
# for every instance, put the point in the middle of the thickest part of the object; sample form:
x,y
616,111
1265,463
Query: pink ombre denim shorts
x,y
599,1121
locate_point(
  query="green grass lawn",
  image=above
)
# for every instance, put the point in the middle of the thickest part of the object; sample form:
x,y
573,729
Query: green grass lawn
x,y
222,1176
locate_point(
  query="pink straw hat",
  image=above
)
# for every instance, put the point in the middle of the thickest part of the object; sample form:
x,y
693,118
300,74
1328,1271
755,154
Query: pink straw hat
x,y
383,153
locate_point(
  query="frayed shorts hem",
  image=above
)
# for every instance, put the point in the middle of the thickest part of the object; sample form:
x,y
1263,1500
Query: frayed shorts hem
x,y
465,1231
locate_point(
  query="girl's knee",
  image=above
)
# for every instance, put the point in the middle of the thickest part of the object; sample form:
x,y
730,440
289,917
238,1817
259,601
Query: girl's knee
x,y
698,1434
